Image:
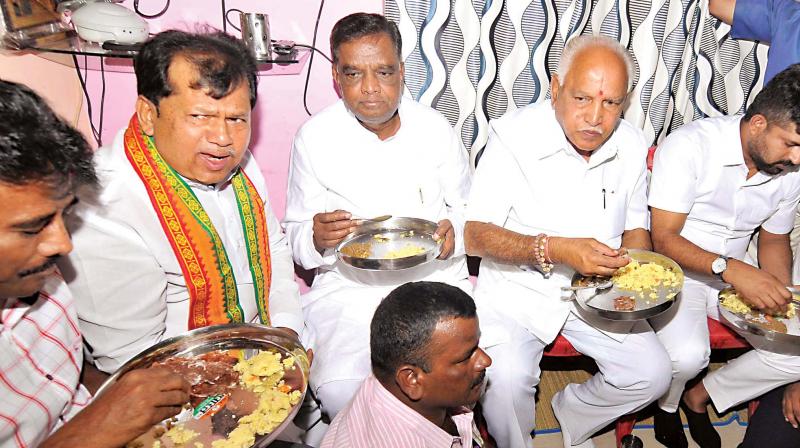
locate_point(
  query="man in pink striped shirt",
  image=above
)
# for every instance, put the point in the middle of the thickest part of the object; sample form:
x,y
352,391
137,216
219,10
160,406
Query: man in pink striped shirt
x,y
43,162
426,368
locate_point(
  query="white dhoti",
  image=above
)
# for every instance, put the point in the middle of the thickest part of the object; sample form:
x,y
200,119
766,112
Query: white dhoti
x,y
634,371
683,330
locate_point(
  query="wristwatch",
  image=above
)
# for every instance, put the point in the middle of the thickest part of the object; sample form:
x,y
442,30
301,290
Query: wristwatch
x,y
719,265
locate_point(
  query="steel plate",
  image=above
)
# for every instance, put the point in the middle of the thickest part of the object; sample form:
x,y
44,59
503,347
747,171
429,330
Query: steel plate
x,y
602,303
761,337
387,236
249,337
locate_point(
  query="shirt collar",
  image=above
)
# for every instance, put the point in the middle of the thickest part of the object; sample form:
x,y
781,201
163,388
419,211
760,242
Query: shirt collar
x,y
731,142
358,127
425,428
213,187
555,133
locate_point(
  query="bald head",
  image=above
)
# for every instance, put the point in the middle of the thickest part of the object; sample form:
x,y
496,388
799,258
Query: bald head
x,y
593,80
600,46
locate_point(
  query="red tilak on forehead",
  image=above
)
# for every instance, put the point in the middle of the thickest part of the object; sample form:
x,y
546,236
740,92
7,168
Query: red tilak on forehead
x,y
601,92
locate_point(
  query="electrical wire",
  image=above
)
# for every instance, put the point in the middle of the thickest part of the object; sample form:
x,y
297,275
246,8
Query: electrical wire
x,y
150,16
81,79
233,25
311,58
317,50
102,101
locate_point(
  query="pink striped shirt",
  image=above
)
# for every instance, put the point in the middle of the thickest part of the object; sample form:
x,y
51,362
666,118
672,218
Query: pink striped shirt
x,y
41,355
377,419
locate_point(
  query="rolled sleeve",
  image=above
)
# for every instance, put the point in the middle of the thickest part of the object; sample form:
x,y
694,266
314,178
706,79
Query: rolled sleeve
x,y
752,20
674,179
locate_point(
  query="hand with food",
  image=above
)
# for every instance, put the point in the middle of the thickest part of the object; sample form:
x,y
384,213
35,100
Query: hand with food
x,y
130,407
587,255
757,287
445,230
331,228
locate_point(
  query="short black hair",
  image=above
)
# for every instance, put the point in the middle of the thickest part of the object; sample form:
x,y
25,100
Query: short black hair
x,y
362,24
222,62
779,100
36,145
404,322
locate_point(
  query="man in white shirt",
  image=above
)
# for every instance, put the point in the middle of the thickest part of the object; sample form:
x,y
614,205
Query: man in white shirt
x,y
562,186
181,234
427,369
367,155
715,181
43,164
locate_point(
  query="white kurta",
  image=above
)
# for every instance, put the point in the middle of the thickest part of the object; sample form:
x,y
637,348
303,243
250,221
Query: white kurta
x,y
422,172
531,180
128,285
699,170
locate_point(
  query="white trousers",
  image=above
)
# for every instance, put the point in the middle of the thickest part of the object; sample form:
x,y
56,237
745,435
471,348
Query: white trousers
x,y
633,373
683,330
749,376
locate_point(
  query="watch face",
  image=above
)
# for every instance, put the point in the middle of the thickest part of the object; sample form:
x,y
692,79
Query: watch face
x,y
719,265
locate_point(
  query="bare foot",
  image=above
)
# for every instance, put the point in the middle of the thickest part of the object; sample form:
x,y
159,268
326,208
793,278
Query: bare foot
x,y
697,398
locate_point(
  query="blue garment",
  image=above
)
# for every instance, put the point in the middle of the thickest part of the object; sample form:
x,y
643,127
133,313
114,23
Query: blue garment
x,y
776,22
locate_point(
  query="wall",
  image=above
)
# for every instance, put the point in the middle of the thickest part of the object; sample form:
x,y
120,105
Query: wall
x,y
55,82
279,112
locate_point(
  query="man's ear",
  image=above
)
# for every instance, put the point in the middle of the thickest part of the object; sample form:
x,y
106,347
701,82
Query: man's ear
x,y
410,379
757,124
146,112
554,88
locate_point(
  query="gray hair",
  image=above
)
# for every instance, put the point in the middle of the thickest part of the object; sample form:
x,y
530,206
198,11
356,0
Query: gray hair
x,y
580,43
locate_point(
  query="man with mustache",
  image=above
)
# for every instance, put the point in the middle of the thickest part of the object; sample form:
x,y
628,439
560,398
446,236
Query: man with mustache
x,y
181,234
716,181
426,369
43,164
373,153
560,188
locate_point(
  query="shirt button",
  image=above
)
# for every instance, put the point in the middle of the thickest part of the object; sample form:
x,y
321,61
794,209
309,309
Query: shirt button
x,y
49,377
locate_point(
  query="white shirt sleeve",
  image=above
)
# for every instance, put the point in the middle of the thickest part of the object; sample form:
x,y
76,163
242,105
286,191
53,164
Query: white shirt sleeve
x,y
305,197
782,221
497,177
456,178
119,290
284,294
636,215
674,178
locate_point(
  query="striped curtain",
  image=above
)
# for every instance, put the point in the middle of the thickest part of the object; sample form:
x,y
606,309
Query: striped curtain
x,y
474,60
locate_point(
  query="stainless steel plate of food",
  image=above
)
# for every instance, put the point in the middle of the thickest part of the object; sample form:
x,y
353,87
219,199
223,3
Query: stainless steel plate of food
x,y
644,288
775,333
390,245
247,383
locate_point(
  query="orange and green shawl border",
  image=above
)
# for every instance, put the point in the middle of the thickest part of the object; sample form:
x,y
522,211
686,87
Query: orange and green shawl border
x,y
214,298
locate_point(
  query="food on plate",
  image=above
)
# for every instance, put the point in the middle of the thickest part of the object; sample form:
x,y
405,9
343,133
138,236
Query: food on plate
x,y
237,400
646,278
357,250
734,303
624,303
407,250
